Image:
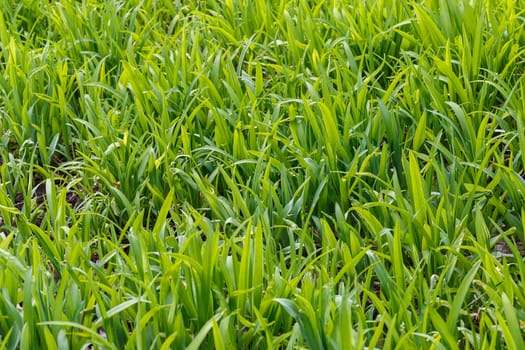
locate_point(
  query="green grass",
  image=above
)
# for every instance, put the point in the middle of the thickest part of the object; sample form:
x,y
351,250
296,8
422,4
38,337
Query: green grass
x,y
262,174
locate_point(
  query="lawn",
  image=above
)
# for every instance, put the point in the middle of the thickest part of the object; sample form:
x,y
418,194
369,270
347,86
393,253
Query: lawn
x,y
262,174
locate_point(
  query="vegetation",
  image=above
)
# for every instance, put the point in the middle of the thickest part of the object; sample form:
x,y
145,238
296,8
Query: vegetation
x,y
262,174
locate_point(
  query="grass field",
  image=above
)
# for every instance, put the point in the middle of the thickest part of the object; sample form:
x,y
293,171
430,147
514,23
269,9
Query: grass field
x,y
252,174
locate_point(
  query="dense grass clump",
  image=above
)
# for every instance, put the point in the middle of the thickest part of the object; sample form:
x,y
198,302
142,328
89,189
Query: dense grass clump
x,y
262,174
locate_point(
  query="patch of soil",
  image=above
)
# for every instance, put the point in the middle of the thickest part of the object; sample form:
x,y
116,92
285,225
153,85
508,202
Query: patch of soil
x,y
39,194
502,249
